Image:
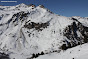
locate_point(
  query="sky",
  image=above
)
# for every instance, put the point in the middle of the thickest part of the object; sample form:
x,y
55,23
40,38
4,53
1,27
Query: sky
x,y
67,8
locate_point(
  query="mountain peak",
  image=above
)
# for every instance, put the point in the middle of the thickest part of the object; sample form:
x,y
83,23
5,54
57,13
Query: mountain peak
x,y
42,6
21,5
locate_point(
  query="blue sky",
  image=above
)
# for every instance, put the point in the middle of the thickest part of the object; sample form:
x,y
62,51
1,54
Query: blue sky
x,y
62,7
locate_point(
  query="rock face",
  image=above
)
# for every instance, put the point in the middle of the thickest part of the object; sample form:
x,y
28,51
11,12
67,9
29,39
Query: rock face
x,y
4,56
37,26
76,33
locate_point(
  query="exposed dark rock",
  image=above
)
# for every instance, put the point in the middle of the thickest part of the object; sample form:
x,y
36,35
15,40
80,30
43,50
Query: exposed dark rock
x,y
41,6
36,55
42,53
72,58
37,26
4,56
31,5
18,16
74,19
71,33
1,24
63,47
33,55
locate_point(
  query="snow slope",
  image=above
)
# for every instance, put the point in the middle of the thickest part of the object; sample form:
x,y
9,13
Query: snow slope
x,y
25,30
79,52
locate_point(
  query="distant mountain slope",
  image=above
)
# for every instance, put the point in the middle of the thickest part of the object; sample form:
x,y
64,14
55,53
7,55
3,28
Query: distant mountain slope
x,y
26,31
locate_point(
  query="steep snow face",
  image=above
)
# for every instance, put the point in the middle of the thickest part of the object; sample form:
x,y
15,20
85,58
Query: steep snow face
x,y
30,30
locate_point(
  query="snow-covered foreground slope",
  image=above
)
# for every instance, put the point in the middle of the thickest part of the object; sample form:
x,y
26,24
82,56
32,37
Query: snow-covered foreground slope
x,y
79,52
26,31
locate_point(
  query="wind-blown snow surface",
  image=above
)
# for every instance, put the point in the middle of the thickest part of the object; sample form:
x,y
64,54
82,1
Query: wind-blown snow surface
x,y
21,41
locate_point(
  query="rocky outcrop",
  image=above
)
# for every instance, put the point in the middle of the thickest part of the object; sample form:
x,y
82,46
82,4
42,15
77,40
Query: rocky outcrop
x,y
37,26
4,56
76,33
41,6
31,5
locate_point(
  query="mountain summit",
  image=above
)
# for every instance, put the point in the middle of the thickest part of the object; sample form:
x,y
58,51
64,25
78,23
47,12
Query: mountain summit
x,y
29,31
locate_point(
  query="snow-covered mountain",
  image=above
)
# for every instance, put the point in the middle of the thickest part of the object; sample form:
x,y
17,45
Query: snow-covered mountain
x,y
27,31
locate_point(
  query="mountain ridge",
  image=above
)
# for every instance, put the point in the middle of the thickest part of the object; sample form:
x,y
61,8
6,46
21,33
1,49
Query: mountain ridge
x,y
25,31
